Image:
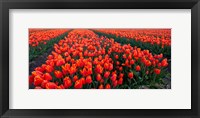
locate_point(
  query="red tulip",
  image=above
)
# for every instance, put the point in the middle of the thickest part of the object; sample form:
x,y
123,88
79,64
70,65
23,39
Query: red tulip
x,y
132,62
114,83
116,57
120,82
78,84
120,68
157,71
106,66
47,76
114,77
72,70
88,80
101,86
75,78
37,80
67,82
49,69
130,75
110,67
50,57
35,73
107,86
164,62
121,75
39,69
58,74
60,62
43,84
106,74
137,68
99,69
60,87
51,85
98,77
148,63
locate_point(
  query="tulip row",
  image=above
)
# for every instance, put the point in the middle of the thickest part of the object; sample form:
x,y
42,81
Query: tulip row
x,y
152,47
42,36
83,60
44,45
153,36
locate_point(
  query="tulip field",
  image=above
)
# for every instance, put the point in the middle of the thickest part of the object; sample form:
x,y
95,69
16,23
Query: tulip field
x,y
99,58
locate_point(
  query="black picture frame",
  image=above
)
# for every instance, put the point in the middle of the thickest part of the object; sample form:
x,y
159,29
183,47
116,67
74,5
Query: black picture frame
x,y
5,5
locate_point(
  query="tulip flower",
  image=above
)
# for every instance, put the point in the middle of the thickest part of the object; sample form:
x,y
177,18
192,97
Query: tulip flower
x,y
47,76
99,69
137,68
38,80
43,84
49,69
130,75
106,74
88,80
67,82
75,78
98,77
107,86
164,63
157,71
101,86
78,84
58,74
51,85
